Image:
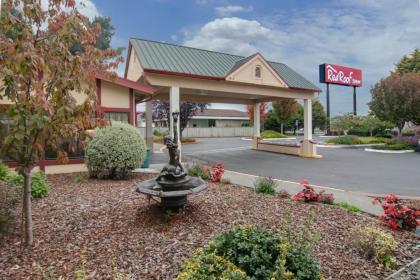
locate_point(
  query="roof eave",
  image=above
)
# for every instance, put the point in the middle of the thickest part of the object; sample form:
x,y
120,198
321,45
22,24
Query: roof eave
x,y
144,88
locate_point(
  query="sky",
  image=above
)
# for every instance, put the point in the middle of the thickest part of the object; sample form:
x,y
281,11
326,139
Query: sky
x,y
368,34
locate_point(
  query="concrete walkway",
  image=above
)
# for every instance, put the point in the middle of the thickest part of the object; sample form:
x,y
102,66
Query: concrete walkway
x,y
361,201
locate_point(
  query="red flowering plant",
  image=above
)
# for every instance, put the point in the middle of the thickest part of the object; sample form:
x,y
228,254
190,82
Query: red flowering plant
x,y
216,172
308,194
397,215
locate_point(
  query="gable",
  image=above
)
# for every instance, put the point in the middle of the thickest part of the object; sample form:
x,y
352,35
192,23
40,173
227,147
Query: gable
x,y
134,69
246,73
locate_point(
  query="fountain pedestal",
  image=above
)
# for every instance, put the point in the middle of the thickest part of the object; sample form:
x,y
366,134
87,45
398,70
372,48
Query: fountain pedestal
x,y
173,185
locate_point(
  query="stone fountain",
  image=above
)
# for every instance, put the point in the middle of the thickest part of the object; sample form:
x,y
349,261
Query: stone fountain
x,y
173,184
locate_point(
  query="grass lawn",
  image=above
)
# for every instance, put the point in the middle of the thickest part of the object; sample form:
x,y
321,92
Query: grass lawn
x,y
116,232
354,140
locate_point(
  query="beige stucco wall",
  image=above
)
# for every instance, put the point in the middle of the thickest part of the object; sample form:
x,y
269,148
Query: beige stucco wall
x,y
246,74
134,71
114,96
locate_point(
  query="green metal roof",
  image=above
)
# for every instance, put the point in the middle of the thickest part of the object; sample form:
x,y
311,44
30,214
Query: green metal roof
x,y
186,60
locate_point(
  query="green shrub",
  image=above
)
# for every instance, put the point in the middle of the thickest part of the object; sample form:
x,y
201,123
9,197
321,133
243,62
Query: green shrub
x,y
39,183
396,145
374,244
344,140
301,264
251,253
253,250
352,140
3,171
265,185
349,207
115,151
198,170
272,134
210,266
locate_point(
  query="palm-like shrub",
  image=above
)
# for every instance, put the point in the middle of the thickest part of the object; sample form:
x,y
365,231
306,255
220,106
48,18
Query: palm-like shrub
x,y
115,151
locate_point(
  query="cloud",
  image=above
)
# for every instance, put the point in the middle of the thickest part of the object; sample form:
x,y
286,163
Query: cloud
x,y
234,35
232,9
371,35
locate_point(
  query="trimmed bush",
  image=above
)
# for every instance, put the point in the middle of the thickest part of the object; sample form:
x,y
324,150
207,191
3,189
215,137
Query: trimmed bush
x,y
265,185
39,183
251,253
374,244
272,134
115,151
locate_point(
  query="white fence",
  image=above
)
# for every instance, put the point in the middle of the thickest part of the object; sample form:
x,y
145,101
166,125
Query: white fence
x,y
201,132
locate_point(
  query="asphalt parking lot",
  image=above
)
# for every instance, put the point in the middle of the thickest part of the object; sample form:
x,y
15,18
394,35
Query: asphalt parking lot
x,y
350,169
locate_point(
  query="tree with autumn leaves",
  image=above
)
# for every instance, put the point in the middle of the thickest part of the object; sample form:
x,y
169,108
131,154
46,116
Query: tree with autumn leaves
x,y
38,74
396,98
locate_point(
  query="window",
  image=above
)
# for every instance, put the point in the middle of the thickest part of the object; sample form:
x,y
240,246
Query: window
x,y
212,123
258,72
117,116
73,148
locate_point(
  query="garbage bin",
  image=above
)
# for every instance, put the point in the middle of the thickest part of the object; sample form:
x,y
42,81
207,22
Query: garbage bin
x,y
146,162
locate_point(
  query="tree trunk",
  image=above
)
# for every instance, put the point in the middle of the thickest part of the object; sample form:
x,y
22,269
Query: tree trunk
x,y
281,128
27,206
400,129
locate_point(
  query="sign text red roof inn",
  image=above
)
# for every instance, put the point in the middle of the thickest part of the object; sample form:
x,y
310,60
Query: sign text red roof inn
x,y
340,75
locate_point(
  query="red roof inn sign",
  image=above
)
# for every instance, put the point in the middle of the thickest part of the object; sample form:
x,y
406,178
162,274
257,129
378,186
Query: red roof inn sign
x,y
340,75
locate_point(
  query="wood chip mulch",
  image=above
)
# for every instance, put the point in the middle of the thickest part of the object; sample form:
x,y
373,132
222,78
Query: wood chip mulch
x,y
117,231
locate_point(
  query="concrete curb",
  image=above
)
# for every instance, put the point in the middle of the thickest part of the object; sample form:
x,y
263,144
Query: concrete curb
x,y
361,201
389,151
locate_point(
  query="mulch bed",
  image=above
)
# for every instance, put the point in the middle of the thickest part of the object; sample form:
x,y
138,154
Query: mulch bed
x,y
117,230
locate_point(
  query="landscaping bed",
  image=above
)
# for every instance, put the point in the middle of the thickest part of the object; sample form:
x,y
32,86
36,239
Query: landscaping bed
x,y
354,140
116,231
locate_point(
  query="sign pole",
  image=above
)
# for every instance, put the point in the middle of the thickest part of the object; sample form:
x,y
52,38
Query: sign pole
x,y
328,108
354,102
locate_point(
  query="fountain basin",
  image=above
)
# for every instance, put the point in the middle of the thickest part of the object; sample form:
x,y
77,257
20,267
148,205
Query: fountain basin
x,y
172,197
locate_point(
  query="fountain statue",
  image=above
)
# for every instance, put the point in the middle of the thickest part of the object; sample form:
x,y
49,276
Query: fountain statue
x,y
173,184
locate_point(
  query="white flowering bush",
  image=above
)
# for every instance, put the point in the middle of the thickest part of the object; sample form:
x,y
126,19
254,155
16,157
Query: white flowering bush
x,y
115,151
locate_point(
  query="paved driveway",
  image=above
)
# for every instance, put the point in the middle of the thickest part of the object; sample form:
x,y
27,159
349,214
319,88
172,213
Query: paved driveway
x,y
349,169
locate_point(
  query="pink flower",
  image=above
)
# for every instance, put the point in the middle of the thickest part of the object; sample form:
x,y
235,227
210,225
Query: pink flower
x,y
304,182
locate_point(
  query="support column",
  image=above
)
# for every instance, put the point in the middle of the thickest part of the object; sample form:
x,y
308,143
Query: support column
x,y
308,146
257,124
174,107
307,130
149,126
